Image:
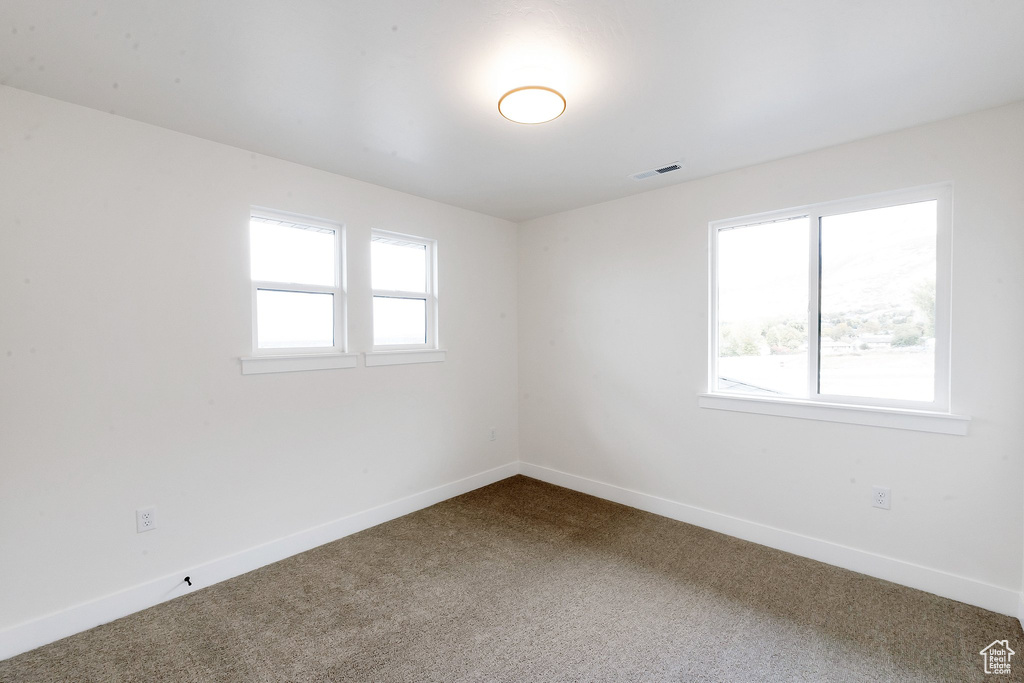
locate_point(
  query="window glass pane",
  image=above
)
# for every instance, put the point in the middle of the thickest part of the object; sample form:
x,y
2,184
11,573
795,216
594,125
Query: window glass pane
x,y
294,319
398,266
878,303
399,321
762,308
283,252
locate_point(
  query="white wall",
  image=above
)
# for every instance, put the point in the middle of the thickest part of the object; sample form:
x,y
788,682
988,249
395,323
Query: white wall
x,y
124,308
613,315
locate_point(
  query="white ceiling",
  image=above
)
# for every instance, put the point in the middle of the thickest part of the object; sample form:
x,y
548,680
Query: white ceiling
x,y
403,93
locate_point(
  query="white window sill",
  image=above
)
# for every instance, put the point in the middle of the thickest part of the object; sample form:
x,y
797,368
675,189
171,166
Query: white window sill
x,y
404,357
895,418
260,365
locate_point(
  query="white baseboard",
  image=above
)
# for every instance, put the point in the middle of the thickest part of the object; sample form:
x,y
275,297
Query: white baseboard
x,y
40,631
963,589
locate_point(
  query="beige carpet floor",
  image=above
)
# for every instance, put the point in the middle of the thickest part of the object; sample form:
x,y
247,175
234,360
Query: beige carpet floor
x,y
523,581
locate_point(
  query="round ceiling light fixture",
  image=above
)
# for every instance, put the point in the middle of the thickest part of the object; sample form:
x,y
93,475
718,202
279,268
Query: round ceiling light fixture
x,y
531,104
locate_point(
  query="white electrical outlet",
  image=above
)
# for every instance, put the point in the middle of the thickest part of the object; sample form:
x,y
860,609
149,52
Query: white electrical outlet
x,y
145,519
881,497
494,434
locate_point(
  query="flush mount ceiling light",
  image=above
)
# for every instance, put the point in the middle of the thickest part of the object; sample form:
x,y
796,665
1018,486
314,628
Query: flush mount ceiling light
x,y
531,104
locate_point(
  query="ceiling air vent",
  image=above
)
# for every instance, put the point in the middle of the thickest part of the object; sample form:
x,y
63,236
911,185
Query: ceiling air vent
x,y
657,171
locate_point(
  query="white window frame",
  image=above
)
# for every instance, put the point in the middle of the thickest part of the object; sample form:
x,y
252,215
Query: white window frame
x,y
429,297
266,360
920,415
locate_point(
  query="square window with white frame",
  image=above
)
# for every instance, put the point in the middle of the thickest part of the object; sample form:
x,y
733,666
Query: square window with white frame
x,y
298,293
403,278
841,303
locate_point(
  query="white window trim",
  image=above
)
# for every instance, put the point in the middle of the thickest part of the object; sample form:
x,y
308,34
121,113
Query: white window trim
x,y
304,358
404,357
896,418
260,365
429,297
857,410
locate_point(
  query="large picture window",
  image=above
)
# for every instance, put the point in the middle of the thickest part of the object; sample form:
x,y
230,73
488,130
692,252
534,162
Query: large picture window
x,y
843,303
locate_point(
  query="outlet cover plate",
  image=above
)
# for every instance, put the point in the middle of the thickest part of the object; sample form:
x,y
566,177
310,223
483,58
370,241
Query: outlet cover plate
x,y
145,519
881,497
